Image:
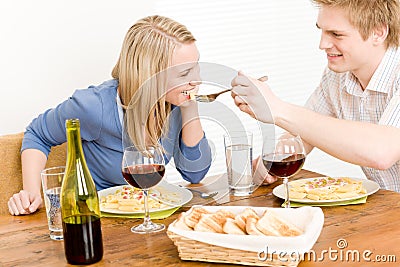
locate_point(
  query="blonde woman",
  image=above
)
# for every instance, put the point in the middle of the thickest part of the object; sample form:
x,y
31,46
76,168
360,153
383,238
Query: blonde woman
x,y
154,74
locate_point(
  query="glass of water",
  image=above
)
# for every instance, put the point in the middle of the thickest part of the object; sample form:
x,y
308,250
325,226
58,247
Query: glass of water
x,y
51,184
239,156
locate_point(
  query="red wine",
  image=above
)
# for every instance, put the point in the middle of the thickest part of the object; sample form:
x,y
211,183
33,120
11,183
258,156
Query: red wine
x,y
82,239
283,165
143,176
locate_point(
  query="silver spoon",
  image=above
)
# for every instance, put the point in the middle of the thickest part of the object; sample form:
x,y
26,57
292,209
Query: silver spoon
x,y
211,97
202,194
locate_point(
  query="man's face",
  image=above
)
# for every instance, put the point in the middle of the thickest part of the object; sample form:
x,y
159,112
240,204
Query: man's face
x,y
342,42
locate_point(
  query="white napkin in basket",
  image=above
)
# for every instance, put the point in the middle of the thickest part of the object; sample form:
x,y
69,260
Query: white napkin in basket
x,y
309,219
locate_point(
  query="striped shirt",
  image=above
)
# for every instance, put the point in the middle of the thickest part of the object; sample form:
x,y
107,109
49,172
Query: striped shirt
x,y
340,95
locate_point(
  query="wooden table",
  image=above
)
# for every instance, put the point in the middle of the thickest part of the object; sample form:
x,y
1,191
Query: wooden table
x,y
374,227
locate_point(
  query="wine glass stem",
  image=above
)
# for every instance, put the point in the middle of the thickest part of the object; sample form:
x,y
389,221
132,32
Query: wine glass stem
x,y
147,220
287,201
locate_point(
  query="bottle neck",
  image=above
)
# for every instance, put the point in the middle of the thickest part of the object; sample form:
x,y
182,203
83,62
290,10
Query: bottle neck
x,y
74,142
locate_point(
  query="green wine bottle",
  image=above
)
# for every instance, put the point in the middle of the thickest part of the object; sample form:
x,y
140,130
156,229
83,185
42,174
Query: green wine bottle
x,y
80,208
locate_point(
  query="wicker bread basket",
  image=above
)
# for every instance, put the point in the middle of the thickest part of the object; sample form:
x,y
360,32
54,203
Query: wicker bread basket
x,y
193,250
253,250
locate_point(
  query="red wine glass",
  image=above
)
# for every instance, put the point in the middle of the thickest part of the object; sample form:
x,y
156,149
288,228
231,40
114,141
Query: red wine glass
x,y
144,169
283,156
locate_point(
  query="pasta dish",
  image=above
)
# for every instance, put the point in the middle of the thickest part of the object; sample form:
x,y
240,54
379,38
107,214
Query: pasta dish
x,y
130,199
326,188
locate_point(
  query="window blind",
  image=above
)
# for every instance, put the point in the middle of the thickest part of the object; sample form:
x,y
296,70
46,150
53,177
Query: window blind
x,y
277,38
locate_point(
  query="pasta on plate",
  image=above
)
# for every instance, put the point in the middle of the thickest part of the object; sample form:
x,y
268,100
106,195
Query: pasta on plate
x,y
130,199
326,188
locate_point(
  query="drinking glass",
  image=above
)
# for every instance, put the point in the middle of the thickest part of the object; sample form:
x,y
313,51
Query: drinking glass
x,y
144,169
51,184
239,157
283,156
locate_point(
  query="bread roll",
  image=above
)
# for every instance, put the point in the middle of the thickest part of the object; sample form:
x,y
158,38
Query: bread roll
x,y
242,217
271,224
226,213
246,222
202,226
251,227
194,216
214,221
230,227
180,223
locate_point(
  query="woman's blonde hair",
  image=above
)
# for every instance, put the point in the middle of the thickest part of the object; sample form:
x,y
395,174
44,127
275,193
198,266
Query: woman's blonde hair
x,y
367,15
146,52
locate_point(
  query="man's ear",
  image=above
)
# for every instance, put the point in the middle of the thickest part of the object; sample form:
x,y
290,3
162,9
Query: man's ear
x,y
380,34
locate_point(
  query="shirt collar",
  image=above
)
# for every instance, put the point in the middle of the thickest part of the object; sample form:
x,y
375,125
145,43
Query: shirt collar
x,y
383,77
352,84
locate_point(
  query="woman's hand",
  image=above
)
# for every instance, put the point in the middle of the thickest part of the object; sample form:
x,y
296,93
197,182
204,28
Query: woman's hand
x,y
24,202
192,131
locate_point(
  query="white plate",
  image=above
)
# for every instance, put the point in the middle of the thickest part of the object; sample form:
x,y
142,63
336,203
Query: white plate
x,y
163,190
370,186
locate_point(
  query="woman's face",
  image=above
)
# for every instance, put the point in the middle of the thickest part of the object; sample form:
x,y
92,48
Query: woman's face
x,y
183,75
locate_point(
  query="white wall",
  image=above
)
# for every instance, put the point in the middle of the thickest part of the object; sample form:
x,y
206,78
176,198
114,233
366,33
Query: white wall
x,y
50,48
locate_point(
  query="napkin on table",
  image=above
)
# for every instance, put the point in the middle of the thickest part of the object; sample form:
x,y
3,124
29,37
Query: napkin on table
x,y
153,215
328,204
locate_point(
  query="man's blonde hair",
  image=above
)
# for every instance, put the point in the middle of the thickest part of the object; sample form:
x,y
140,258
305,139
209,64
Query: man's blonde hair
x,y
367,15
147,51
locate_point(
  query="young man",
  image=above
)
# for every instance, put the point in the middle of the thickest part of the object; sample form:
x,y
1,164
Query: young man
x,y
354,114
